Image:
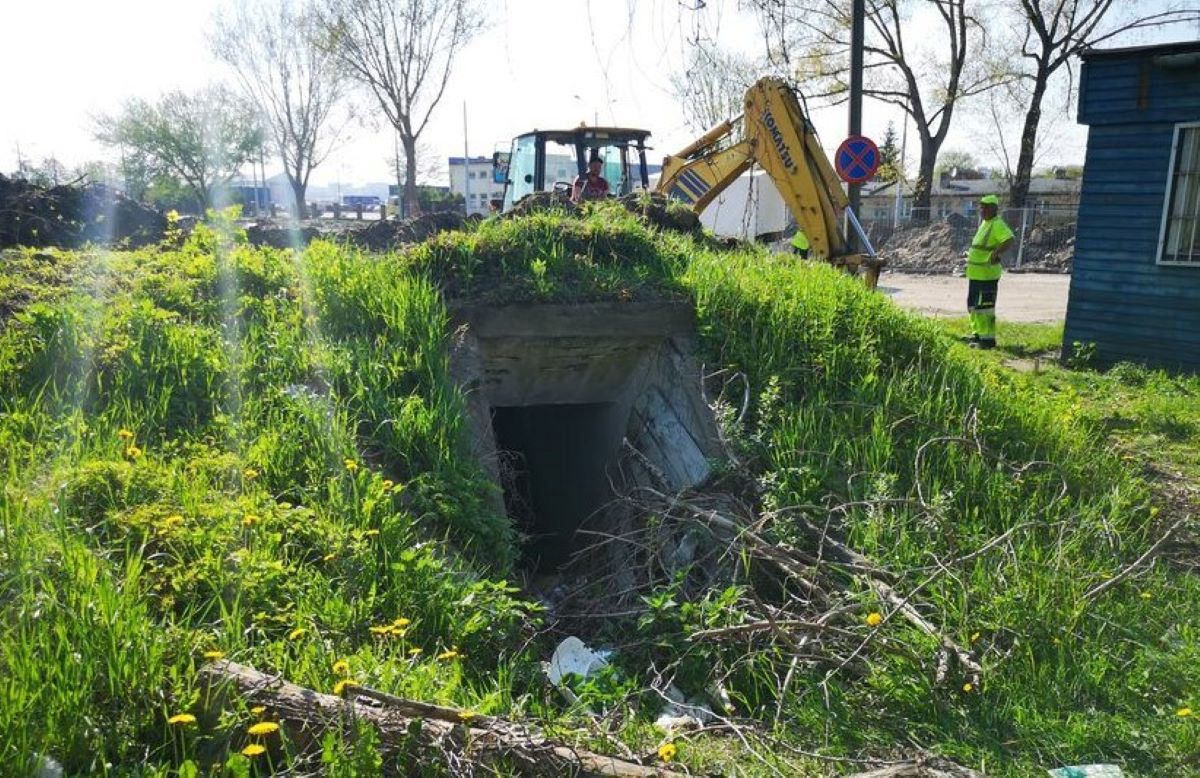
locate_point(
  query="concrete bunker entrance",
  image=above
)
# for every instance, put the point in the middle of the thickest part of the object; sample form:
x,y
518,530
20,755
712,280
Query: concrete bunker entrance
x,y
573,406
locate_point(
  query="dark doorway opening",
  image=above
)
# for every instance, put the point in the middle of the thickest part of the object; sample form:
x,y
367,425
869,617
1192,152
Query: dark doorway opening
x,y
553,462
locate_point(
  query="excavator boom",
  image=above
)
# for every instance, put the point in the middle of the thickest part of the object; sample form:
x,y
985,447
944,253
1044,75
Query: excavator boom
x,y
777,136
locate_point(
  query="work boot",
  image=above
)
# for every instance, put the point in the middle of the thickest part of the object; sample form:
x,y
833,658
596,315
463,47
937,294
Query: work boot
x,y
982,344
972,339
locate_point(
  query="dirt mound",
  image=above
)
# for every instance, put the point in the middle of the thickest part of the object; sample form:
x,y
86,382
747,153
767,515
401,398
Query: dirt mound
x,y
70,216
281,236
1049,249
939,247
542,201
936,247
661,212
384,235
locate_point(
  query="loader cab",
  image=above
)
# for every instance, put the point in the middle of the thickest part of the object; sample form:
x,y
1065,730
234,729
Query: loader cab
x,y
545,160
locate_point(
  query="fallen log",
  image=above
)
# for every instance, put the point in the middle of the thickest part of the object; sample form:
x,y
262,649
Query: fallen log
x,y
409,727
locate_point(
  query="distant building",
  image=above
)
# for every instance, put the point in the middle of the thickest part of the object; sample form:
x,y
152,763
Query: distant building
x,y
479,174
961,196
1135,282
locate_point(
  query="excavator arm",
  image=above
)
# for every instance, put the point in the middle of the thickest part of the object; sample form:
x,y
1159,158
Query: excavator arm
x,y
778,137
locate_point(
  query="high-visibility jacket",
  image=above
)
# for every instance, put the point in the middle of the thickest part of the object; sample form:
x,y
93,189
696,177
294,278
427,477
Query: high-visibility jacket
x,y
991,233
800,241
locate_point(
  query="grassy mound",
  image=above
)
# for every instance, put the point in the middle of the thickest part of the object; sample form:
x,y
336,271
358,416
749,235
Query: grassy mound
x,y
258,453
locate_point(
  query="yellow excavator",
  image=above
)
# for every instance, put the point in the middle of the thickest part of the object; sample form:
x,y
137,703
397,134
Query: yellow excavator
x,y
774,134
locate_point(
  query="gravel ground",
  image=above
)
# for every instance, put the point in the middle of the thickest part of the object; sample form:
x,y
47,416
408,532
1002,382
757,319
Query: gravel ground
x,y
1024,297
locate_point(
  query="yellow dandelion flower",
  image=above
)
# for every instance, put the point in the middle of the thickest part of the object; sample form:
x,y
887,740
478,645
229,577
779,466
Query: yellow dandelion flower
x,y
447,654
874,619
667,752
297,633
401,622
350,464
1184,712
133,452
388,484
466,715
182,718
214,655
415,651
259,710
250,474
370,533
381,630
263,728
343,685
974,637
1146,595
341,667
329,557
968,687
249,520
125,434
254,749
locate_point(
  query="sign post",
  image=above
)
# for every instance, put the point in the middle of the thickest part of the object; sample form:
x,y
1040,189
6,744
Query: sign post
x,y
856,159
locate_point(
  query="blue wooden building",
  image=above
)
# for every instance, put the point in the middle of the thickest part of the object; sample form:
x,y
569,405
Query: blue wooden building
x,y
1135,287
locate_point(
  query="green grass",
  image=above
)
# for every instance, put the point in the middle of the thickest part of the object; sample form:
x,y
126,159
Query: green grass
x,y
1151,416
220,448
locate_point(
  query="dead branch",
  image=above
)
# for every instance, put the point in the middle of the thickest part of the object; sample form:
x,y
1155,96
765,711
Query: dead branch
x,y
458,735
1132,567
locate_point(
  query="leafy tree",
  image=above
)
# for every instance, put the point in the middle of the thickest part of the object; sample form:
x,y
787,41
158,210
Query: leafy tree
x,y
402,52
957,159
1053,33
200,140
890,168
274,52
927,77
713,86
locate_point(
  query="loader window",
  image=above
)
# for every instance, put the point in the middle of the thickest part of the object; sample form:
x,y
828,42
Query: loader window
x,y
521,169
561,167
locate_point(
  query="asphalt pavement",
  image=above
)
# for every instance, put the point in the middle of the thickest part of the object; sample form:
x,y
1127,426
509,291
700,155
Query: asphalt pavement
x,y
1023,297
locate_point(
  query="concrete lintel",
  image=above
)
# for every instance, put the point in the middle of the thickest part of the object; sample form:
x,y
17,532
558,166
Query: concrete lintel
x,y
662,319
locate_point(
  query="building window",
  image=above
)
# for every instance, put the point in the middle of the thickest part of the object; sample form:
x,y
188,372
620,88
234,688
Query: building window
x,y
1179,239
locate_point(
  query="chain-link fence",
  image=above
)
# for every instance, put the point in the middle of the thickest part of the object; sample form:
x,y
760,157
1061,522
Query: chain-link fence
x,y
936,239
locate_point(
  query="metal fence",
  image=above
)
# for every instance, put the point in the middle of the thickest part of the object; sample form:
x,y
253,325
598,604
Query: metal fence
x,y
934,237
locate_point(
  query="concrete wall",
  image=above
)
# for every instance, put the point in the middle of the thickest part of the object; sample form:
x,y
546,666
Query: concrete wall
x,y
572,392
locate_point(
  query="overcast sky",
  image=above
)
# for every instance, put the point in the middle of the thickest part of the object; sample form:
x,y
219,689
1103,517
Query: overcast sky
x,y
539,64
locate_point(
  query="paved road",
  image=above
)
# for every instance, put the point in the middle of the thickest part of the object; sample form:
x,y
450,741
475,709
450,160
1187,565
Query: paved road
x,y
1029,297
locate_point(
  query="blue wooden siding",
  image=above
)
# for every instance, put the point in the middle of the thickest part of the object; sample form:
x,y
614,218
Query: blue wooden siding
x,y
1121,300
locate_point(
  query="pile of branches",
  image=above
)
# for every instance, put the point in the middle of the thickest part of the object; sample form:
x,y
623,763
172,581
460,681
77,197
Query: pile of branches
x,y
71,215
799,606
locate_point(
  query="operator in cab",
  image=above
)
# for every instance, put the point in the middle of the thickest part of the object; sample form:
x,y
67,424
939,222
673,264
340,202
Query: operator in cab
x,y
991,240
591,185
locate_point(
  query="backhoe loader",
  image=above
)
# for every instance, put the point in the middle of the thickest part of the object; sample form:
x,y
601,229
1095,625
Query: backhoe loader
x,y
774,134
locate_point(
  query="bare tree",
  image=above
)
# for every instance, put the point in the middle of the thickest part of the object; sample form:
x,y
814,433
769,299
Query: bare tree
x,y
402,52
202,139
1055,31
273,49
926,75
713,86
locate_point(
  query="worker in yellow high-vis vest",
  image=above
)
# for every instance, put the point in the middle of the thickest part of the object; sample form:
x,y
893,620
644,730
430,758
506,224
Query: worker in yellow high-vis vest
x,y
991,240
800,244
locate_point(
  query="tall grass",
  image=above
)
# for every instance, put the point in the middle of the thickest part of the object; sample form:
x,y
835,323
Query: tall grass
x,y
146,520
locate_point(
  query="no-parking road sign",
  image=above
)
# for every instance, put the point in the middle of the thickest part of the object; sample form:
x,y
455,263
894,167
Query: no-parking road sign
x,y
857,159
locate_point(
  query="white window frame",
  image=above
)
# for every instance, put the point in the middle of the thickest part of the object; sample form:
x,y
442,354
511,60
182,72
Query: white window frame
x,y
1166,212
